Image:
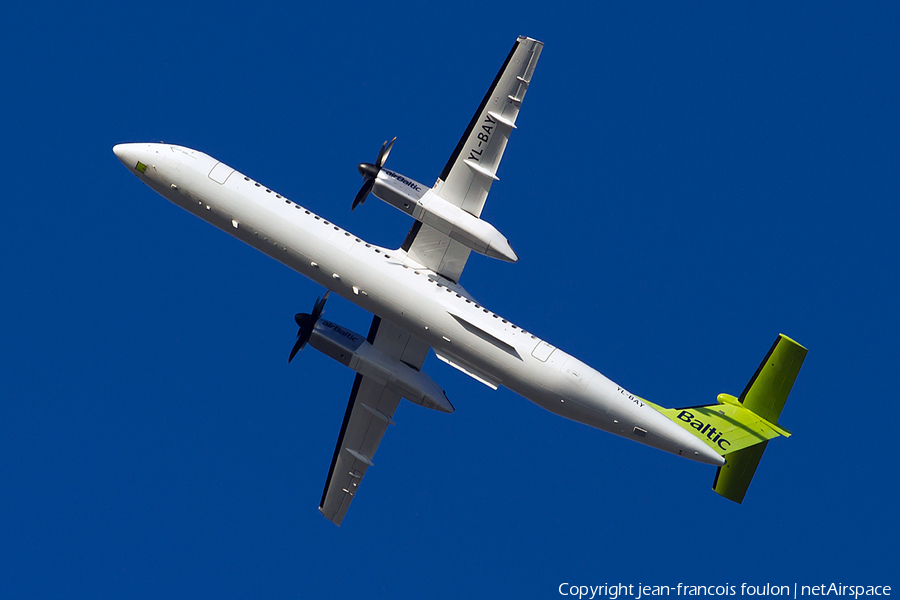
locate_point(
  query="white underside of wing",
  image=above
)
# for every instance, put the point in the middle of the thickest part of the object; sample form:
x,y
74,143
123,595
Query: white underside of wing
x,y
472,168
437,252
467,178
369,413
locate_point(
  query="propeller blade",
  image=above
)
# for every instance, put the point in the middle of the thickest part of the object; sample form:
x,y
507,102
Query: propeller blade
x,y
306,323
319,307
385,151
297,346
369,173
363,193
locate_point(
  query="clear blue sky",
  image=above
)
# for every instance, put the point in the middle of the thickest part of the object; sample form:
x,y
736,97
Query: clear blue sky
x,y
687,180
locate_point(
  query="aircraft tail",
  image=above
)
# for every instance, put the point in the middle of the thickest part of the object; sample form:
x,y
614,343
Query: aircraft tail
x,y
740,428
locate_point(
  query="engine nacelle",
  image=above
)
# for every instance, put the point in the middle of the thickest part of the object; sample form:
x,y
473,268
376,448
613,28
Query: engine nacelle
x,y
354,351
422,204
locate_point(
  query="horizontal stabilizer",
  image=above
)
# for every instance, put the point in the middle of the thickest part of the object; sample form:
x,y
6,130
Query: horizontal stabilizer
x,y
734,477
726,428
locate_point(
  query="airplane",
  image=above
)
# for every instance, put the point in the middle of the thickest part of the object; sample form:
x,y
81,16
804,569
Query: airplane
x,y
418,304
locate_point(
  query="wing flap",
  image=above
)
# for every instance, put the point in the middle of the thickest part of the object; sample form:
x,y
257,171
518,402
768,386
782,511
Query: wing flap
x,y
399,343
436,251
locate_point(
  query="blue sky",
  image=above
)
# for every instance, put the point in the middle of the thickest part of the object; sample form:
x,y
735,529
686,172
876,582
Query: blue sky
x,y
686,181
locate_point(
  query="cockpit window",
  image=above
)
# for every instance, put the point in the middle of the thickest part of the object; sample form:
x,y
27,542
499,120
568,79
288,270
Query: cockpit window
x,y
140,167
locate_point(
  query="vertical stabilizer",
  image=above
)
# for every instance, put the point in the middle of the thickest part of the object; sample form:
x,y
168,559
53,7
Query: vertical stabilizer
x,y
768,389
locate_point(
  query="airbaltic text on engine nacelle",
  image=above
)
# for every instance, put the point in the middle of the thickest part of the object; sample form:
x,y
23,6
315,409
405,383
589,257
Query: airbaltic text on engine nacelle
x,y
354,351
422,204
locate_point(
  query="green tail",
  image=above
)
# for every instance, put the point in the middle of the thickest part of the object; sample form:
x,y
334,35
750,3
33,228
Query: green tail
x,y
739,428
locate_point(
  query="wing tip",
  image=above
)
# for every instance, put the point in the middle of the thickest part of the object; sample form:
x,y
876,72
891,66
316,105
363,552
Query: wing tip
x,y
525,38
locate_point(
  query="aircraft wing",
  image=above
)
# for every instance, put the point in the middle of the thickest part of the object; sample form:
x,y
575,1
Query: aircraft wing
x,y
468,175
369,412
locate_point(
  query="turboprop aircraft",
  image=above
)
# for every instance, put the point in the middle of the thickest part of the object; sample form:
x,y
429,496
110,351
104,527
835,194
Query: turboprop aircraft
x,y
418,303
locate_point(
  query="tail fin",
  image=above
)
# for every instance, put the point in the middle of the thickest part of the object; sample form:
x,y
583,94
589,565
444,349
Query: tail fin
x,y
768,389
739,428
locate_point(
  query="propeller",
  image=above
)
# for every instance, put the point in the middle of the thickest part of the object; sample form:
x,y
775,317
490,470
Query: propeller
x,y
370,172
306,323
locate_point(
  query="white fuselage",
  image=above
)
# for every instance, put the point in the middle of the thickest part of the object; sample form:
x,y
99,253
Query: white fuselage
x,y
389,284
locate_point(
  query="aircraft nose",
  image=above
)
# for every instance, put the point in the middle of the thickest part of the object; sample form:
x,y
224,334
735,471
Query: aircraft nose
x,y
137,157
125,153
